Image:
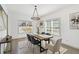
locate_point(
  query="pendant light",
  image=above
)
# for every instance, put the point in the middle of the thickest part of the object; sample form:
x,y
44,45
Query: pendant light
x,y
35,17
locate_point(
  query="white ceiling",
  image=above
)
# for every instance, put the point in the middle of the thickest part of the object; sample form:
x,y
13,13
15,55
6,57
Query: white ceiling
x,y
28,9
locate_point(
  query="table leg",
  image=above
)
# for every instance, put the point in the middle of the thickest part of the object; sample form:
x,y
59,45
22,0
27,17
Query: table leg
x,y
11,47
48,41
40,46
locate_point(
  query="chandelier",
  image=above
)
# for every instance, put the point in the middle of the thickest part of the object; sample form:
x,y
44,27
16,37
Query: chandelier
x,y
37,16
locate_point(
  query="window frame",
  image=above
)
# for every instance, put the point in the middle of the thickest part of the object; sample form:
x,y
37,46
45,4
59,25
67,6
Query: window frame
x,y
52,29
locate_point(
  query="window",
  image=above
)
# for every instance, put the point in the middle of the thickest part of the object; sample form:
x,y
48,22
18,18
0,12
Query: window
x,y
25,26
56,27
52,27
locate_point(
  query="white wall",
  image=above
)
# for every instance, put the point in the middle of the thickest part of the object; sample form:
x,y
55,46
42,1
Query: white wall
x,y
14,17
69,36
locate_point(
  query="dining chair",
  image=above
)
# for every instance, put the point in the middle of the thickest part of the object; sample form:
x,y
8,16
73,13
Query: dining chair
x,y
43,33
54,47
29,41
47,33
34,41
29,38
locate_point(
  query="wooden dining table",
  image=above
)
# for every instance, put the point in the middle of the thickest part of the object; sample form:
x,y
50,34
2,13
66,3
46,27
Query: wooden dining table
x,y
43,37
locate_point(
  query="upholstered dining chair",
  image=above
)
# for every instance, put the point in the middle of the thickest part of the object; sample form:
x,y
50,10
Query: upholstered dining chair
x,y
29,41
34,42
54,48
29,38
43,33
47,33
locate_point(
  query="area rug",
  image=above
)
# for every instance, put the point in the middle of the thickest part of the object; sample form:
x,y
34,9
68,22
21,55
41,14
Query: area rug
x,y
62,51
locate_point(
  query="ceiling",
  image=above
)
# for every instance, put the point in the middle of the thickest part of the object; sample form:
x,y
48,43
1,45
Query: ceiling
x,y
28,9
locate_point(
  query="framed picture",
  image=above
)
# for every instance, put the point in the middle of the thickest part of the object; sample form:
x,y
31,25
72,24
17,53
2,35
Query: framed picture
x,y
74,20
25,26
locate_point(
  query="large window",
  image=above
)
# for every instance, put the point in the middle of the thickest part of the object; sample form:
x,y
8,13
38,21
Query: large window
x,y
52,27
25,26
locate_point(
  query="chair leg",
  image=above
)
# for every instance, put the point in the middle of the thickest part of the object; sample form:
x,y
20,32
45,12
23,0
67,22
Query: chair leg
x,y
46,51
59,52
53,52
33,48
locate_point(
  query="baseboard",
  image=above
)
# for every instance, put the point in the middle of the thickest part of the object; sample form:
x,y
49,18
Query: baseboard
x,y
70,46
19,38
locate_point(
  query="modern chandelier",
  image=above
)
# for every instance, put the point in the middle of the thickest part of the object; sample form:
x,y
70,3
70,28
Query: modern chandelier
x,y
35,17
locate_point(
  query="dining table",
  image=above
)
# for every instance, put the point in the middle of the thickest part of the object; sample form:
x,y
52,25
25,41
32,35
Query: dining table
x,y
43,37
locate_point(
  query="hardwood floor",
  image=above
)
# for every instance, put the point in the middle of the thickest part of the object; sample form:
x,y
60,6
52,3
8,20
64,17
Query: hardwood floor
x,y
23,46
71,50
